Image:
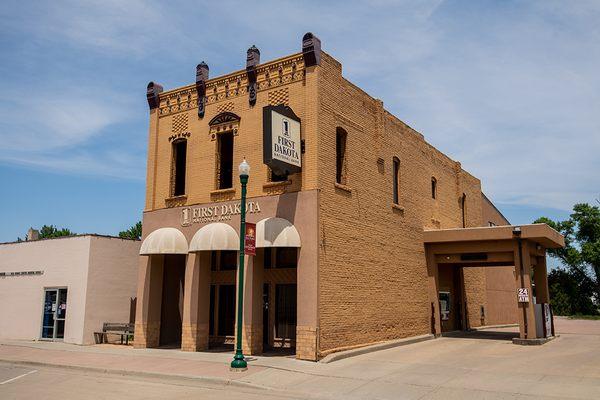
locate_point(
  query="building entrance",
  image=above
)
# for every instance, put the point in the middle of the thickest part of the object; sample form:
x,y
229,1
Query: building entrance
x,y
54,314
171,311
279,297
451,298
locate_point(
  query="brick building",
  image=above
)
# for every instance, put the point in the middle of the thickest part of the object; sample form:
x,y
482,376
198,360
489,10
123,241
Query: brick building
x,y
350,247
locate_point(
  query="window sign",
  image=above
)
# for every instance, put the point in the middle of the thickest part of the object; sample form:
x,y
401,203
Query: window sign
x,y
282,146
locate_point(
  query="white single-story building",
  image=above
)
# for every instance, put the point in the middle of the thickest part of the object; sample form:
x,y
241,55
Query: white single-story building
x,y
66,288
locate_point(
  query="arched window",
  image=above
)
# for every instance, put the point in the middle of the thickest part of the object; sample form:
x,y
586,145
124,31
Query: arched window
x,y
178,167
396,180
433,188
223,128
340,156
463,209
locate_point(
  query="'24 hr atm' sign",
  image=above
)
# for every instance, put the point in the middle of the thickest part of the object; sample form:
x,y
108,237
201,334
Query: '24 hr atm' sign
x,y
282,146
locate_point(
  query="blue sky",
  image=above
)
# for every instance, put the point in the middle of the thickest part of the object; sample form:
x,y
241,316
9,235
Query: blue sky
x,y
509,88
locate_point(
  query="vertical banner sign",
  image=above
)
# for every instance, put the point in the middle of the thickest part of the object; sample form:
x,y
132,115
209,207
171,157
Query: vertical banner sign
x,y
250,239
523,294
282,146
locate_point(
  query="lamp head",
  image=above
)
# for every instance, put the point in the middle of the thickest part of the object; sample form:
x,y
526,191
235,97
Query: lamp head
x,y
244,168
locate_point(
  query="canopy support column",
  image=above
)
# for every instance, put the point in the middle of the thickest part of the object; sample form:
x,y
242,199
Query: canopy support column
x,y
149,298
196,300
527,328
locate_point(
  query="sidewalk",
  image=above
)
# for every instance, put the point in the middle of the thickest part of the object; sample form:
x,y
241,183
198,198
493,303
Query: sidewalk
x,y
473,366
207,367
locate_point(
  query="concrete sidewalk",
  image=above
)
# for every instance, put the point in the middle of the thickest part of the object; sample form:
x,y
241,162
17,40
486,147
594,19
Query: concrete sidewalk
x,y
472,366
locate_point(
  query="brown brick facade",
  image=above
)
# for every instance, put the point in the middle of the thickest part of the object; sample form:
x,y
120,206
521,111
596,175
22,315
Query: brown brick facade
x,y
364,268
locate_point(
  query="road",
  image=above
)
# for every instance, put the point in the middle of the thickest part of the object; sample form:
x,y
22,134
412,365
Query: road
x,y
18,382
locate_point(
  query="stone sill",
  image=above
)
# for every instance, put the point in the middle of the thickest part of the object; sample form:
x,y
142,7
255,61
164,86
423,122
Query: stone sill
x,y
397,207
270,185
222,191
176,200
343,187
180,197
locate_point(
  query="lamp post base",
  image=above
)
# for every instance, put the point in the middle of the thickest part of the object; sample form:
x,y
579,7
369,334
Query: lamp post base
x,y
238,364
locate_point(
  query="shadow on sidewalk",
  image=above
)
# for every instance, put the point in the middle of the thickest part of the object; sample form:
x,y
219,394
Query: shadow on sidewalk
x,y
491,335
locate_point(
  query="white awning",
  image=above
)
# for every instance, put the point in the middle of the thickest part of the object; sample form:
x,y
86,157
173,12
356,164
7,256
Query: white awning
x,y
164,241
215,236
276,232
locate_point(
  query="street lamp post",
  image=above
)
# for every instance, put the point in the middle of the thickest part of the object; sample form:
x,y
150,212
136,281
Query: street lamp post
x,y
238,363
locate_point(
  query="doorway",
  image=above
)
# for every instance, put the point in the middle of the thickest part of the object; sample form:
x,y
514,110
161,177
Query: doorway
x,y
54,314
171,311
451,298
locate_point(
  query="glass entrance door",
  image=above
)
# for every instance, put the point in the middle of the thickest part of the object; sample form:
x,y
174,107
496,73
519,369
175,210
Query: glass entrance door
x,y
54,313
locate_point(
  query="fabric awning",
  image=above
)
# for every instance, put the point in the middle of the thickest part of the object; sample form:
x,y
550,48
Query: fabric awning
x,y
164,241
215,236
276,232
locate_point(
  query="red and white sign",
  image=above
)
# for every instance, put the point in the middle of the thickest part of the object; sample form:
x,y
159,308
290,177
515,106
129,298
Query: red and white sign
x,y
250,239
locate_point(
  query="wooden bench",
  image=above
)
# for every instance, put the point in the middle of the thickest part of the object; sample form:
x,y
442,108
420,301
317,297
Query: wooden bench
x,y
111,328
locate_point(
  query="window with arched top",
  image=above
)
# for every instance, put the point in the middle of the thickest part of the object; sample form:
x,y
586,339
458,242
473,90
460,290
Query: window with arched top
x,y
223,128
433,188
341,137
178,167
396,179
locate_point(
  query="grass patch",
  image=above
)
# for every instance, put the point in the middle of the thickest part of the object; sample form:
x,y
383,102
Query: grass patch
x,y
591,317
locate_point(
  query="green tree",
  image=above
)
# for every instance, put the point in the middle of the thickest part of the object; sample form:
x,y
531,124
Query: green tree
x,y
568,295
50,231
581,254
134,232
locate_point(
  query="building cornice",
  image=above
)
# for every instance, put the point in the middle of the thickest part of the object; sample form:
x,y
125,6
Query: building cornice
x,y
272,74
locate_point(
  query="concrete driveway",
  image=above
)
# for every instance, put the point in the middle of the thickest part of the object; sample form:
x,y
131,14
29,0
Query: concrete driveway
x,y
482,365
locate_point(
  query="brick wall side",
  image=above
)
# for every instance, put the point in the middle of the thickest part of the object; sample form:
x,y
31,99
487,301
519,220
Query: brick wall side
x,y
373,275
502,306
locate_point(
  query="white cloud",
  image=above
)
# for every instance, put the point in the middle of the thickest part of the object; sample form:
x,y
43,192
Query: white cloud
x,y
509,89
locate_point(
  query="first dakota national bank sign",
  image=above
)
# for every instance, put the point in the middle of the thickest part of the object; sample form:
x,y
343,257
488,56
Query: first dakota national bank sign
x,y
282,146
221,212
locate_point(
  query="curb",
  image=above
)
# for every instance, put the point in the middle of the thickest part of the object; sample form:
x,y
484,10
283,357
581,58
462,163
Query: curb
x,y
142,374
375,347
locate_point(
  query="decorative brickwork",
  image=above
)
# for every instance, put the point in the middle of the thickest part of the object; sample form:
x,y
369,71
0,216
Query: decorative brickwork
x,y
180,123
225,107
280,96
269,75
